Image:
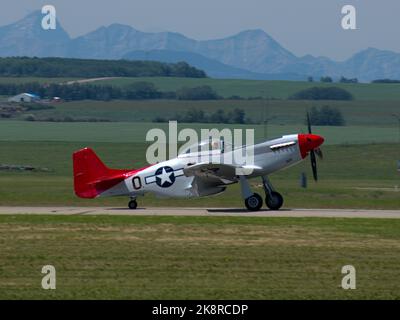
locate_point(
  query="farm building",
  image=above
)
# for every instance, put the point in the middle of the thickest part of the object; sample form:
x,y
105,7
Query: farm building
x,y
25,97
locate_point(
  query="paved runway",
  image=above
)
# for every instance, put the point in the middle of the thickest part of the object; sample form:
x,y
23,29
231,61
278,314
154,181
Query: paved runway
x,y
234,212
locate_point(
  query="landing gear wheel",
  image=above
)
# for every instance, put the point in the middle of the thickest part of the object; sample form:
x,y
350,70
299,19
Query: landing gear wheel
x,y
254,202
132,204
275,201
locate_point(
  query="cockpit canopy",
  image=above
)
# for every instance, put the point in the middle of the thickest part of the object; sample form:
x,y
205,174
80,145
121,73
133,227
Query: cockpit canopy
x,y
204,146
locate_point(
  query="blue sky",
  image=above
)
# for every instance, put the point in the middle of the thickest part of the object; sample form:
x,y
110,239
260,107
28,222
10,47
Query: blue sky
x,y
301,26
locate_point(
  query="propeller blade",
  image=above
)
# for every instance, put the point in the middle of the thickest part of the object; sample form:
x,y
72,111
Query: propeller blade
x,y
319,153
309,123
314,165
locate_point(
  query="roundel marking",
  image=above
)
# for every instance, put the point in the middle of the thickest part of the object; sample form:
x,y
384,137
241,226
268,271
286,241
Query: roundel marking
x,y
165,177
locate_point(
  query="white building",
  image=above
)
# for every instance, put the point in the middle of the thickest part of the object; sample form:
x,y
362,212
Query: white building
x,y
24,97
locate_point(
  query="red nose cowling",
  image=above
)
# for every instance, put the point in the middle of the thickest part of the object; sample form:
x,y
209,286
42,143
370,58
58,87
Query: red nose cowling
x,y
308,142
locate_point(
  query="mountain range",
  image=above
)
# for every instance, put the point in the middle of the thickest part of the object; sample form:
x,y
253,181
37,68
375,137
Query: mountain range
x,y
251,54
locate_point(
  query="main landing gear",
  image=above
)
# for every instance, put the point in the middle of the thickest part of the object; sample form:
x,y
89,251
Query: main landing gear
x,y
132,204
254,202
273,199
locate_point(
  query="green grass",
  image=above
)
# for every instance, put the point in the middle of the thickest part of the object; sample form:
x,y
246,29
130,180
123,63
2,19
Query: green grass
x,y
19,80
104,257
351,176
136,132
359,170
281,111
267,88
123,257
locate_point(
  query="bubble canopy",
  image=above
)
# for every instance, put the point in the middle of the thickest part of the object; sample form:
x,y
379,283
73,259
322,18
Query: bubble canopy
x,y
204,146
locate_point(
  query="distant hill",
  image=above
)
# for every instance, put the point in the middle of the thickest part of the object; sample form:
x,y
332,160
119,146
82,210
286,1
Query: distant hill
x,y
27,38
373,64
213,68
251,54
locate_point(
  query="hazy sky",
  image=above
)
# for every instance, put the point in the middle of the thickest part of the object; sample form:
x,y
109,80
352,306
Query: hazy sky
x,y
301,26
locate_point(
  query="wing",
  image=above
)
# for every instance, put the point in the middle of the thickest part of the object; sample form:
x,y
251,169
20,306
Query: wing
x,y
218,173
224,173
212,178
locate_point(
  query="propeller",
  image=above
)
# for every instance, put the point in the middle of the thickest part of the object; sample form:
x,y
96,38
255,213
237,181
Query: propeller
x,y
319,153
314,152
314,165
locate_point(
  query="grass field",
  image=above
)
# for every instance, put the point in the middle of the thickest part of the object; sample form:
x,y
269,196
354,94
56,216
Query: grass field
x,y
136,132
271,89
279,112
267,88
133,257
107,257
359,170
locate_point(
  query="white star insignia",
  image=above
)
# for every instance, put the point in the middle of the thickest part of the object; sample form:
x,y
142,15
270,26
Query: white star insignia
x,y
165,176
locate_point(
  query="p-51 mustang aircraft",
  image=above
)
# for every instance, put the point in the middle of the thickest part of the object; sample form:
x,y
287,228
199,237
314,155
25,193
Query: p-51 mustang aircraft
x,y
184,177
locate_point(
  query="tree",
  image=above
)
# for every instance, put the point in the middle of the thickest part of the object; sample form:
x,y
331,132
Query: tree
x,y
322,93
237,116
219,116
197,93
326,79
346,80
142,90
192,116
326,116
385,81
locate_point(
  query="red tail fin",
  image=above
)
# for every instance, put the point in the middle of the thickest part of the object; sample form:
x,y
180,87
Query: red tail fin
x,y
91,176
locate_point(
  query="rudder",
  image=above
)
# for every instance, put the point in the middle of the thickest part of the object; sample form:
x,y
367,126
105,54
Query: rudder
x,y
88,170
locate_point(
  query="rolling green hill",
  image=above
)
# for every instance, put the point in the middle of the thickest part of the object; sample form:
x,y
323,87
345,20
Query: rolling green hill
x,y
279,112
136,132
245,88
267,88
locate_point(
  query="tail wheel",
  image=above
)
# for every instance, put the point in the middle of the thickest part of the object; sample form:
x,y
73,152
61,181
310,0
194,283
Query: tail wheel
x,y
132,204
254,202
274,201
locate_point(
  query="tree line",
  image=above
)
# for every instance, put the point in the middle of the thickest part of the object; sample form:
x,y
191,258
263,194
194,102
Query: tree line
x,y
342,79
138,90
323,116
135,91
330,80
146,90
326,116
90,68
235,116
385,81
322,93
